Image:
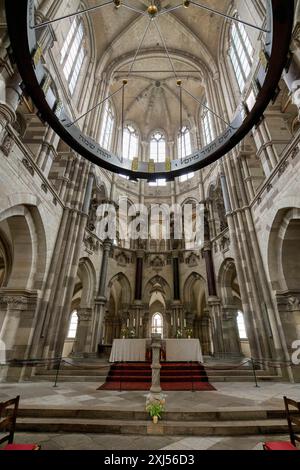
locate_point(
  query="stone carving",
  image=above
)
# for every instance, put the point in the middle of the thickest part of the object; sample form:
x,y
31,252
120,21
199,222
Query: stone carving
x,y
294,303
28,166
14,301
192,260
122,259
157,262
92,215
91,244
224,244
7,145
84,316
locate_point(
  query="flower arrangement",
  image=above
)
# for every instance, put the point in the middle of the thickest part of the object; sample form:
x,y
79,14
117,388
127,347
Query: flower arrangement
x,y
124,332
155,406
188,332
178,334
132,333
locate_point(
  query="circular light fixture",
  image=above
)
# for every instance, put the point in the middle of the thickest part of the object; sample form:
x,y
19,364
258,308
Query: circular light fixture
x,y
28,55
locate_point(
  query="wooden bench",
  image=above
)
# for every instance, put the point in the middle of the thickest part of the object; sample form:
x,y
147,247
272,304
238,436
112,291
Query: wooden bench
x,y
293,419
8,418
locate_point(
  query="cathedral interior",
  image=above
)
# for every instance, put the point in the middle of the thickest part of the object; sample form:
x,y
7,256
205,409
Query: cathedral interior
x,y
149,185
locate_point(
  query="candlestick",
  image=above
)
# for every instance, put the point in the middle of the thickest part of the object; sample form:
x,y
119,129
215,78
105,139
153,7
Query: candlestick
x,y
184,322
178,322
127,322
134,323
141,321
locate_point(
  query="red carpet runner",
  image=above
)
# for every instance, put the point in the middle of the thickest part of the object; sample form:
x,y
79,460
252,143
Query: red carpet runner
x,y
180,376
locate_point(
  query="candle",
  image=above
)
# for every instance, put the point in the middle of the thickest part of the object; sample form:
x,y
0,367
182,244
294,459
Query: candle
x,y
171,320
184,322
178,323
127,322
134,323
141,321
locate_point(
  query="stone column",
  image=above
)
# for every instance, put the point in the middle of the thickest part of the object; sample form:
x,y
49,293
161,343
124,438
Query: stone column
x,y
100,301
137,308
232,341
139,274
156,346
176,278
289,310
83,328
204,324
17,328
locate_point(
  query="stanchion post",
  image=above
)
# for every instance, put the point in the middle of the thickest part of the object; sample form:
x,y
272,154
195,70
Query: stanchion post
x,y
57,372
254,373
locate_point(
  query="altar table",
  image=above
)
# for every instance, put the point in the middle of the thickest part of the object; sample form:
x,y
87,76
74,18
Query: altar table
x,y
177,350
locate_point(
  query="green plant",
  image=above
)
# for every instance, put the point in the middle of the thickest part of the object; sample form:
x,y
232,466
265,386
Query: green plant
x,y
155,409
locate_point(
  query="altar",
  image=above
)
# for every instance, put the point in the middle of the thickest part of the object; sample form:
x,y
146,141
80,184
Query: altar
x,y
177,350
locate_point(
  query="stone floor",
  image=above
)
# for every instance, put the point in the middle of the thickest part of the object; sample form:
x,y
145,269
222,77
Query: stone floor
x,y
113,442
228,395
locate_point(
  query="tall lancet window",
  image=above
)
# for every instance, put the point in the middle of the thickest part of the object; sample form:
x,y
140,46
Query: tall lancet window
x,y
184,148
108,121
157,324
158,154
241,326
207,126
72,54
130,142
73,325
241,54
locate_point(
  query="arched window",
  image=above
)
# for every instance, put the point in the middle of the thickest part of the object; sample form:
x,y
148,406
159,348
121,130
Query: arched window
x,y
157,324
72,53
207,126
130,142
184,148
241,53
158,154
73,325
107,126
241,326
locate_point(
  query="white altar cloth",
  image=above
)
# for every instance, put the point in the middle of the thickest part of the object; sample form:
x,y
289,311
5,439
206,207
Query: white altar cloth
x,y
177,350
131,350
182,350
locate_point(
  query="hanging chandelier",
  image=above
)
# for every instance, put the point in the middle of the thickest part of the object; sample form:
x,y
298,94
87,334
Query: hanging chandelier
x,y
28,55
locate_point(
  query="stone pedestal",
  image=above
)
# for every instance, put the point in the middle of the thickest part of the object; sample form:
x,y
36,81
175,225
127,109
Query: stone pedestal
x,y
156,346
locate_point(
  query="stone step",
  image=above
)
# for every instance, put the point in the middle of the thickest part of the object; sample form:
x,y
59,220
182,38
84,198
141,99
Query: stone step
x,y
223,414
145,427
69,378
242,378
77,371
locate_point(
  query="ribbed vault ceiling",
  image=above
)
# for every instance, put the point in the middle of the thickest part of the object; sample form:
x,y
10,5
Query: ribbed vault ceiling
x,y
152,99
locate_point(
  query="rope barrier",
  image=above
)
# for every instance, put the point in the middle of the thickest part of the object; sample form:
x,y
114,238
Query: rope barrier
x,y
59,361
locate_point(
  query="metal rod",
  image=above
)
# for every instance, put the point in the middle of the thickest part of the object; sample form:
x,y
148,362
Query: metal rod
x,y
122,134
134,9
206,107
77,13
168,10
237,20
94,107
254,373
57,372
180,97
139,48
165,46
